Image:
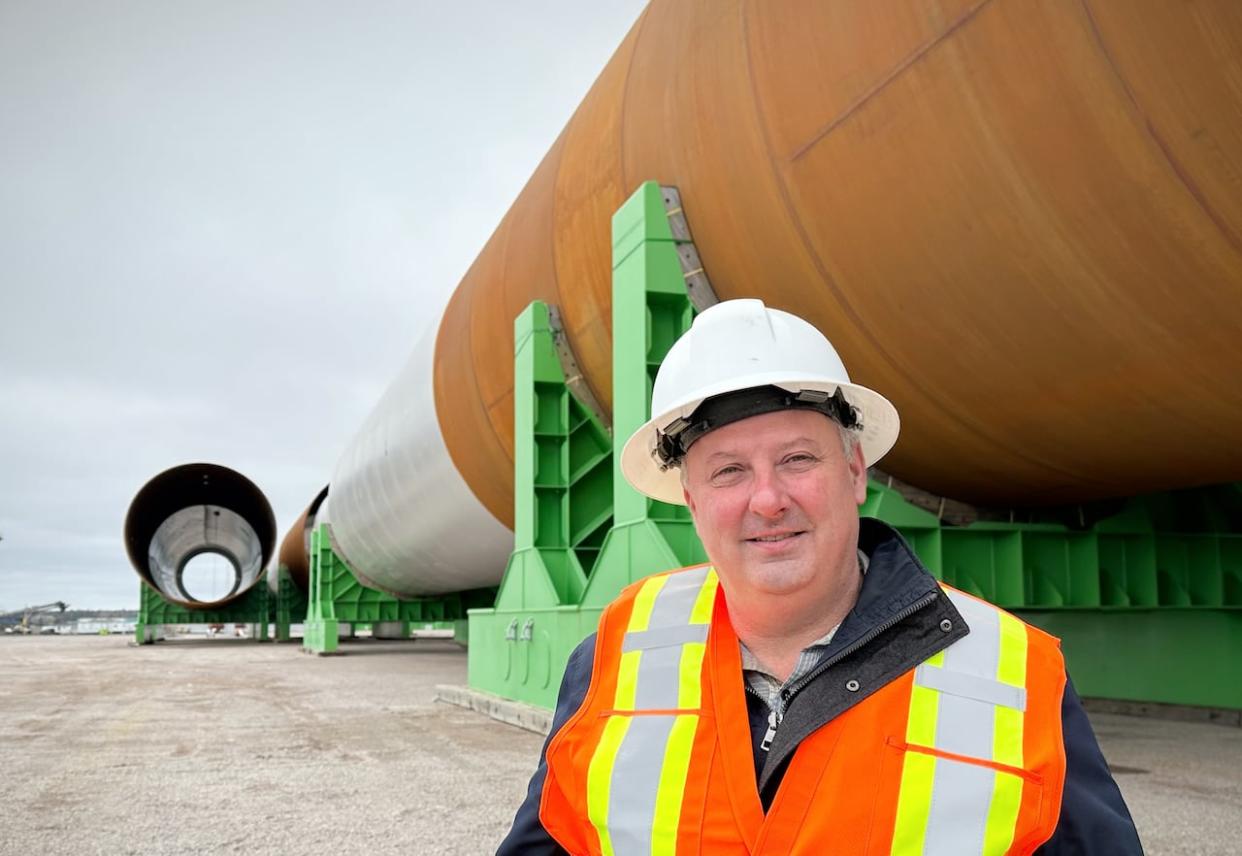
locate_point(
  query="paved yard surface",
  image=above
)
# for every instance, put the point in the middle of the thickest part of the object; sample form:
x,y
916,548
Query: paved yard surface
x,y
231,746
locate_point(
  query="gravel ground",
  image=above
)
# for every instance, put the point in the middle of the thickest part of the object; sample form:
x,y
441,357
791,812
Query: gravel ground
x,y
1182,781
231,746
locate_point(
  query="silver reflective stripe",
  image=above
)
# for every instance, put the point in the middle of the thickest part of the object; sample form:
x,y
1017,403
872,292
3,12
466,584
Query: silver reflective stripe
x,y
977,653
967,696
964,726
658,684
961,794
640,760
636,780
970,686
675,601
663,637
659,670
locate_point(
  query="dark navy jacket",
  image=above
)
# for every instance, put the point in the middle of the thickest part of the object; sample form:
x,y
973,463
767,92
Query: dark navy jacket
x,y
898,622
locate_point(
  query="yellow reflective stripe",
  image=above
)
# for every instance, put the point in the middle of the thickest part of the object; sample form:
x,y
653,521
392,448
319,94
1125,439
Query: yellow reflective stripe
x,y
917,816
1007,733
690,689
599,778
672,786
702,611
1007,737
1011,667
937,659
674,753
690,679
644,601
1002,814
640,615
924,706
627,681
913,803
917,771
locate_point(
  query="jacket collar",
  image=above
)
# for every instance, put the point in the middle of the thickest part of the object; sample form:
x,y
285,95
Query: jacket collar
x,y
895,580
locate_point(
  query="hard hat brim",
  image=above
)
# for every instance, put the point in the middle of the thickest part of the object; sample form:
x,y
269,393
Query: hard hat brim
x,y
643,470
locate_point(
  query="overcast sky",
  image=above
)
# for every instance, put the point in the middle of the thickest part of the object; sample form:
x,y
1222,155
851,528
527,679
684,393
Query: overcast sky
x,y
223,227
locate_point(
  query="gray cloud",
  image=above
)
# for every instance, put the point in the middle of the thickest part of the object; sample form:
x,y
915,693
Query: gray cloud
x,y
223,227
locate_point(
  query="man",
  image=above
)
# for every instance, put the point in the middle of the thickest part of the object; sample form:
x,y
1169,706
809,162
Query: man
x,y
813,690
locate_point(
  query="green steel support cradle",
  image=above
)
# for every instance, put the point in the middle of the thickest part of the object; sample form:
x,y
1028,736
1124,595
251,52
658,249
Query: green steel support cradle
x,y
336,597
564,474
154,612
1147,602
291,605
568,490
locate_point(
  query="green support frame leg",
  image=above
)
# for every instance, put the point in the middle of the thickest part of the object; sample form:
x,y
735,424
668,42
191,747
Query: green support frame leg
x,y
291,605
581,533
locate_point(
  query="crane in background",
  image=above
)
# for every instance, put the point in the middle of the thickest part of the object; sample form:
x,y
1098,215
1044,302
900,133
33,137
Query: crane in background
x,y
23,627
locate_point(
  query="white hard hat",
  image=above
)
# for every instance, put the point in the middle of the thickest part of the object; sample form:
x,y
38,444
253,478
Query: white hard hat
x,y
742,345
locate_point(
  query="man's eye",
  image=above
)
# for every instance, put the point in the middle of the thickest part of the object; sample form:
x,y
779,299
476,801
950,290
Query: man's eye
x,y
726,472
801,458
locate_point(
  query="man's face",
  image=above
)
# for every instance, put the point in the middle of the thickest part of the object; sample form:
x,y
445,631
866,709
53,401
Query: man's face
x,y
775,501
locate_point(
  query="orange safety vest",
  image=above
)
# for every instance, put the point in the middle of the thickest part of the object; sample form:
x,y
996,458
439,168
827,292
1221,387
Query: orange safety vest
x,y
961,755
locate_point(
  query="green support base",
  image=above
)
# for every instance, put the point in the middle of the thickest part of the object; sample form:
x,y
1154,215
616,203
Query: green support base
x,y
1148,601
291,605
336,597
1160,580
321,636
1182,656
154,612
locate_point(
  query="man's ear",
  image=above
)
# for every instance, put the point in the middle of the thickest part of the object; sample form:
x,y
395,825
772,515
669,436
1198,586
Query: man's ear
x,y
858,472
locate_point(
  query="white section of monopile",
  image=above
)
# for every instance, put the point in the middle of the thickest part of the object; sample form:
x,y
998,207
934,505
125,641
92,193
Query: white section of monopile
x,y
401,516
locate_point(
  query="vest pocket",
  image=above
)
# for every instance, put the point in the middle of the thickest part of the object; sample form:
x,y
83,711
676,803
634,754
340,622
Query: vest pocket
x,y
949,803
1027,775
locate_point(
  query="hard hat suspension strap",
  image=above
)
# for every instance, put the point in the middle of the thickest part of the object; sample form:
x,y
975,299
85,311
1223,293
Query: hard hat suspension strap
x,y
720,410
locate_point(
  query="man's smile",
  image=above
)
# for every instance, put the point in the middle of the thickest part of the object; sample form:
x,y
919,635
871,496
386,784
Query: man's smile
x,y
775,537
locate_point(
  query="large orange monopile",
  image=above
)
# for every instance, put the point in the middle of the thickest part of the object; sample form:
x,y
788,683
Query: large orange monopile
x,y
1022,221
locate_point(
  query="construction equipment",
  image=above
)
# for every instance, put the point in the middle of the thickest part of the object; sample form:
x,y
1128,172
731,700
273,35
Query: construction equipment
x,y
23,627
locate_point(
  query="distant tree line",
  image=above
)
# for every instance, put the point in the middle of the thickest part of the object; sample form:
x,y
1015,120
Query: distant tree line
x,y
68,616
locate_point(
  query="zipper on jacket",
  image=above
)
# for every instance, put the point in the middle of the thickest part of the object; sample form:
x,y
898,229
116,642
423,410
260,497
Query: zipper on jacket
x,y
776,714
823,665
774,719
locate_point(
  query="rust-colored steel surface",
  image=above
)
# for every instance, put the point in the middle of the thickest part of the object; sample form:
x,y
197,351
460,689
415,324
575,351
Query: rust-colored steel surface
x,y
294,553
193,509
1019,220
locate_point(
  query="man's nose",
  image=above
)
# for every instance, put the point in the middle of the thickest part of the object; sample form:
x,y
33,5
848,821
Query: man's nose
x,y
768,498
